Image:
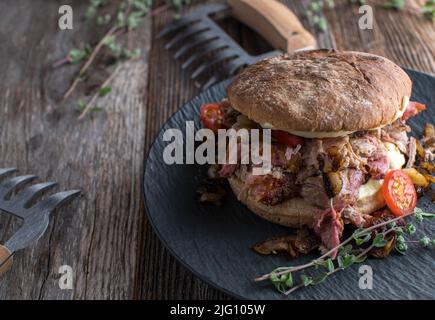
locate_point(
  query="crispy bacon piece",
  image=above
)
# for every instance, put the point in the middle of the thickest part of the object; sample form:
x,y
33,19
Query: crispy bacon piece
x,y
273,188
413,109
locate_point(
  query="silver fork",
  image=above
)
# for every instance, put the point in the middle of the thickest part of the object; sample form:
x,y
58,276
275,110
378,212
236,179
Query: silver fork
x,y
35,218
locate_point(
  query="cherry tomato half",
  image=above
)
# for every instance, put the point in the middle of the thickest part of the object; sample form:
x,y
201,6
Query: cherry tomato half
x,y
399,193
212,116
287,138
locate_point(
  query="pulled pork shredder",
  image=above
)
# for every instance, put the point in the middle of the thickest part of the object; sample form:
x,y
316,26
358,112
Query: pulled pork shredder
x,y
199,41
35,218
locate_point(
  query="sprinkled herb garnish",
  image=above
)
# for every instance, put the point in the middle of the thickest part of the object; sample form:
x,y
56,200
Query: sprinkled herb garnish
x,y
353,250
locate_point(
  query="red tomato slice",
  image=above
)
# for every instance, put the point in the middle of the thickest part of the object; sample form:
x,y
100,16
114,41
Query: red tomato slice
x,y
399,193
212,116
287,138
413,109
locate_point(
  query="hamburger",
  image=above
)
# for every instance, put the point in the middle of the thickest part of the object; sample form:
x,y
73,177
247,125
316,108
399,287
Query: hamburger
x,y
338,129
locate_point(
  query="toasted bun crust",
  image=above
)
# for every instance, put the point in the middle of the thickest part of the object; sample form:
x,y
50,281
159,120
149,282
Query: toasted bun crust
x,y
291,213
322,91
296,212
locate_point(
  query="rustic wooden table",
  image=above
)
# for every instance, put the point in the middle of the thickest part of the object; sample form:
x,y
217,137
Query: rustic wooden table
x,y
105,236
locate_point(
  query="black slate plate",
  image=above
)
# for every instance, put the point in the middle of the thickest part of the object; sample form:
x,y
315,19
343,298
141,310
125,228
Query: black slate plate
x,y
215,242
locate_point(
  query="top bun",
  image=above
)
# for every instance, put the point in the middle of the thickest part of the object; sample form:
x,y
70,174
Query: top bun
x,y
323,92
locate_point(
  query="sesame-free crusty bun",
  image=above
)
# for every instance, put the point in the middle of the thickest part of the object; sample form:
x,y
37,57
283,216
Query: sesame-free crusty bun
x,y
327,92
297,212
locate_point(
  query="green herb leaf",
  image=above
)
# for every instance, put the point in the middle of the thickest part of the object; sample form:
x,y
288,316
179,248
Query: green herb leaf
x,y
81,106
419,213
329,265
319,278
379,241
428,9
410,228
345,250
96,109
346,260
104,91
395,4
361,236
400,239
289,281
306,280
76,55
134,19
104,20
401,247
360,259
425,241
121,20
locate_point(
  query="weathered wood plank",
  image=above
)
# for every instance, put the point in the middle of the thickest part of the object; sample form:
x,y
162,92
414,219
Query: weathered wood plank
x,y
405,37
99,234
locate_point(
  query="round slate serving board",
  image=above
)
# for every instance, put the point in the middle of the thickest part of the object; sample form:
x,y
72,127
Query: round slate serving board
x,y
215,242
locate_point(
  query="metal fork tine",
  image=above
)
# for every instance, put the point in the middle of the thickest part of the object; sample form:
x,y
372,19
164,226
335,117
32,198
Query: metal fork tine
x,y
234,65
211,46
50,203
32,192
210,82
202,39
13,183
207,65
176,25
7,171
189,32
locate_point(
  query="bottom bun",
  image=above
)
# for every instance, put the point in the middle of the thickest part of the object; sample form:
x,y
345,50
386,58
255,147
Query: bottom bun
x,y
296,212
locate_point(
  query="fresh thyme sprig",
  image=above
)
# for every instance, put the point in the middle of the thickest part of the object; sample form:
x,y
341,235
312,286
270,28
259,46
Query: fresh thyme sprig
x,y
428,9
316,7
128,16
349,254
395,4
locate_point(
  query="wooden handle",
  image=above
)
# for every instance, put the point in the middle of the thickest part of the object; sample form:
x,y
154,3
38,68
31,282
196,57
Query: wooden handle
x,y
275,22
5,260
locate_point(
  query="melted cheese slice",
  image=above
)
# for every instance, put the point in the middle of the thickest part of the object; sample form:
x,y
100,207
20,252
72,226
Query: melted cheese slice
x,y
395,158
370,188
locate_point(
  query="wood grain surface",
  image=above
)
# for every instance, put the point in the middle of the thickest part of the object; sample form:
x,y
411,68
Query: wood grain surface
x,y
104,236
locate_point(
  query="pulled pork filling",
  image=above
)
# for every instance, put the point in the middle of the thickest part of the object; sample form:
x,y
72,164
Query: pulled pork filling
x,y
327,172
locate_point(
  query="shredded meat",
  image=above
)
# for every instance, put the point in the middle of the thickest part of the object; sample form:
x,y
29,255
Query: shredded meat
x,y
328,225
286,157
352,180
305,240
372,151
396,133
412,152
302,243
313,190
354,217
273,188
227,170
